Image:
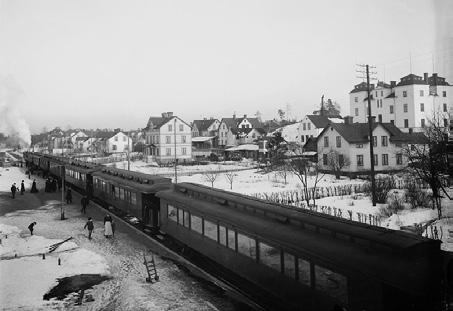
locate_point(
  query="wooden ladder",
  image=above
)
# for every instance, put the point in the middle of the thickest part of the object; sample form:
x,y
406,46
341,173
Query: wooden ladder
x,y
150,268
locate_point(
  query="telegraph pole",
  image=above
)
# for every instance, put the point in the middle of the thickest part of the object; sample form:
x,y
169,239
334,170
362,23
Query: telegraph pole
x,y
176,160
370,128
128,153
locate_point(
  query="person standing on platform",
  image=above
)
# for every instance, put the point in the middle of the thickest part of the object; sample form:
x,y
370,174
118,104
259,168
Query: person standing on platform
x,y
68,196
22,188
90,226
84,202
13,190
108,232
33,187
31,227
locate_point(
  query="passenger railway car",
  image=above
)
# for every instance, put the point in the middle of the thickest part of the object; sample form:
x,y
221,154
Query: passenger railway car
x,y
131,192
305,260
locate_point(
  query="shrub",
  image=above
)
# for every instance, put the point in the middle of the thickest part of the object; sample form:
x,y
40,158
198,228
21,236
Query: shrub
x,y
417,197
383,186
395,203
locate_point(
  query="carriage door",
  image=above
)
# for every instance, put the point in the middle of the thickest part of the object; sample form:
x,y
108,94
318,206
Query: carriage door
x,y
150,210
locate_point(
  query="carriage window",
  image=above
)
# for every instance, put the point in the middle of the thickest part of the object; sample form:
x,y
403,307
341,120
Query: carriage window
x,y
304,272
195,224
210,230
332,283
121,193
180,217
270,256
246,245
112,191
222,235
117,192
231,239
289,265
186,219
171,212
134,198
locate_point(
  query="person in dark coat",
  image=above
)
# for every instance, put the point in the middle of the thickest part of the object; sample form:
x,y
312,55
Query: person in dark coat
x,y
33,187
22,187
90,226
31,227
13,190
54,185
47,187
68,196
84,202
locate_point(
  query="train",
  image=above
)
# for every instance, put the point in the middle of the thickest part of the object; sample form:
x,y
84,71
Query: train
x,y
288,258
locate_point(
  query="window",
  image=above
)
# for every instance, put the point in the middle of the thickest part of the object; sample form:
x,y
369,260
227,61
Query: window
x,y
445,107
422,93
404,93
289,265
338,141
356,99
222,235
359,146
186,221
376,94
168,139
341,160
172,213
405,107
184,151
210,230
308,126
302,138
181,127
196,224
406,123
116,138
231,235
324,159
170,128
422,122
133,198
270,256
183,138
326,141
382,94
399,159
304,126
113,147
356,111
375,159
374,141
422,107
246,245
332,283
392,121
391,108
359,160
384,141
380,118
168,151
304,272
444,93
385,159
180,216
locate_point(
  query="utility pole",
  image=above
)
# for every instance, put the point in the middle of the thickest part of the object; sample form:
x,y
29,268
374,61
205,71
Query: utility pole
x,y
128,153
370,128
176,159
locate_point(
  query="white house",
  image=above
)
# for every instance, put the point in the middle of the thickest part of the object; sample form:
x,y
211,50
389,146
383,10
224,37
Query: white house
x,y
230,129
408,104
75,135
313,125
350,142
205,127
168,137
113,142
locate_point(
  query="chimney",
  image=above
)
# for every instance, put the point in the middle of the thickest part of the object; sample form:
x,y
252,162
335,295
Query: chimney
x,y
348,120
164,114
211,118
392,84
434,78
204,118
373,119
425,77
234,116
245,116
410,130
169,114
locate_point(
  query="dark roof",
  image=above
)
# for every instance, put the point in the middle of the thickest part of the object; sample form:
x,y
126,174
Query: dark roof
x,y
361,87
319,121
202,125
411,138
311,145
233,122
384,85
156,122
436,80
253,121
104,134
411,79
391,95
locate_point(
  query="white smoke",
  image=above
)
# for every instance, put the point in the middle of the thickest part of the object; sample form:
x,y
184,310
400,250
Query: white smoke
x,y
12,124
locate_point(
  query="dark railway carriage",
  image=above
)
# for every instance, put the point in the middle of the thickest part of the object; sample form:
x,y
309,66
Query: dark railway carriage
x,y
305,260
132,193
79,175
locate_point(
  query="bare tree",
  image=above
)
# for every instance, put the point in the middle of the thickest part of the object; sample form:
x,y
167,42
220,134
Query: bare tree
x,y
211,176
309,175
230,177
336,161
284,170
427,159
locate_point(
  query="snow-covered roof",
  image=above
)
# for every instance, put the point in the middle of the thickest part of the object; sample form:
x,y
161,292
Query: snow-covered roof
x,y
246,147
202,138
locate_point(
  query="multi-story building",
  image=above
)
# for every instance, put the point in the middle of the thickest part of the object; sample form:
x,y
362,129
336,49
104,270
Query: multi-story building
x,y
232,129
205,127
313,125
168,138
113,142
410,104
350,142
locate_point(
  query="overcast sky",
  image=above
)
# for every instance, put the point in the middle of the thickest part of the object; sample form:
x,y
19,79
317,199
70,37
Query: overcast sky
x,y
92,63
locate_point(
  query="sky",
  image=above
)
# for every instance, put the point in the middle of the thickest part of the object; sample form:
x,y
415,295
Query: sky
x,y
113,64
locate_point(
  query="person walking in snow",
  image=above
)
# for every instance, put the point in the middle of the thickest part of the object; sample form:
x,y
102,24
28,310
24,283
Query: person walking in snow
x,y
13,190
68,196
33,187
90,226
31,227
108,226
84,202
22,188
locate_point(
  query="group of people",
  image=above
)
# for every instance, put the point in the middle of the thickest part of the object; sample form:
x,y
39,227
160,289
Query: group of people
x,y
51,185
109,227
15,189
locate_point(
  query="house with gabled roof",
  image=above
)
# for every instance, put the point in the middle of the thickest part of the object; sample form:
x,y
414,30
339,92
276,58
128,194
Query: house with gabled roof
x,y
350,141
205,127
312,125
168,138
231,129
112,142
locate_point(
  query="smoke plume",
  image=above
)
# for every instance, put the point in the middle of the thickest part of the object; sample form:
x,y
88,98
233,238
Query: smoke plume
x,y
12,124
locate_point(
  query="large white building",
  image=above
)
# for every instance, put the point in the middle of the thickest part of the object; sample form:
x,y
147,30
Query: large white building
x,y
409,104
168,137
